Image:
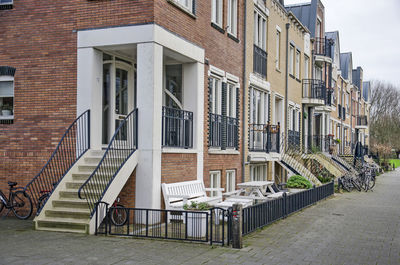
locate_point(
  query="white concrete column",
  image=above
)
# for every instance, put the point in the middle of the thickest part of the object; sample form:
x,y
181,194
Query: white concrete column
x,y
193,100
323,132
89,90
149,103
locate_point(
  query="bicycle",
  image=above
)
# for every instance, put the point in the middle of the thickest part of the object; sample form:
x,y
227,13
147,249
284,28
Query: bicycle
x,y
118,214
18,201
44,197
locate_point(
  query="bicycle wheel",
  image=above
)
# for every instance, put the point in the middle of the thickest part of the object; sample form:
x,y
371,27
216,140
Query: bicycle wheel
x,y
21,205
1,206
119,215
42,200
356,184
371,183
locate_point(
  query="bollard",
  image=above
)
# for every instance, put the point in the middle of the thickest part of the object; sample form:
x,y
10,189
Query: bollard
x,y
237,241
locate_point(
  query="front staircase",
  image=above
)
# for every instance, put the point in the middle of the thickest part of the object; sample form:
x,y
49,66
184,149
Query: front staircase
x,y
294,166
81,177
327,164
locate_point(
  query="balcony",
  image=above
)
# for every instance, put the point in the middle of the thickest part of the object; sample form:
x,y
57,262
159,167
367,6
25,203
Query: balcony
x,y
323,49
319,142
314,92
294,139
177,128
362,122
260,61
329,101
223,132
264,138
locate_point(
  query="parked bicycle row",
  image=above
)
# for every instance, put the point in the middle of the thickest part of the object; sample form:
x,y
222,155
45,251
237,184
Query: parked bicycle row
x,y
363,178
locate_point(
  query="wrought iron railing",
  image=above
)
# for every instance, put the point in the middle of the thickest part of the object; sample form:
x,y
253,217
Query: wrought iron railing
x,y
232,132
215,130
323,46
264,138
293,138
362,121
260,61
314,89
73,144
177,128
213,226
329,95
122,145
6,121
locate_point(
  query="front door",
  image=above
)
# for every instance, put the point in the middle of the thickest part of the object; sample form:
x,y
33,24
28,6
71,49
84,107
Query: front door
x,y
118,96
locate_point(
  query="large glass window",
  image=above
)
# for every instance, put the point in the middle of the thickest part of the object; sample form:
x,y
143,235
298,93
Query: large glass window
x,y
216,95
6,99
230,180
258,172
215,183
216,12
173,90
278,50
297,64
232,17
258,107
260,30
231,100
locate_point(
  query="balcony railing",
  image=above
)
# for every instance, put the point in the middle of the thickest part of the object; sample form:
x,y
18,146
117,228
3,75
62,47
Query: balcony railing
x,y
177,128
328,100
232,132
260,61
314,89
343,113
221,126
319,142
294,139
323,46
362,121
264,138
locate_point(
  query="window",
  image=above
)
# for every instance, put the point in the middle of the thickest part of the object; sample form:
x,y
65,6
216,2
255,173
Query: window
x,y
216,95
215,183
258,107
186,4
6,94
6,4
230,180
260,31
216,12
291,58
258,172
297,64
231,100
232,17
278,49
306,67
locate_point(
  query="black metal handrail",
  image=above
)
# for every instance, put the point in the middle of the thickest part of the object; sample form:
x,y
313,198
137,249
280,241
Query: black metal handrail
x,y
260,61
177,128
232,132
73,144
323,46
215,130
362,121
314,88
122,145
264,138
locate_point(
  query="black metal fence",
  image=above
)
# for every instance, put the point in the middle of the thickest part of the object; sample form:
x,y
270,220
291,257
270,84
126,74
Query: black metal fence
x,y
263,214
323,46
260,61
177,128
223,131
215,130
122,145
294,139
314,89
362,121
6,121
232,132
264,138
73,144
212,226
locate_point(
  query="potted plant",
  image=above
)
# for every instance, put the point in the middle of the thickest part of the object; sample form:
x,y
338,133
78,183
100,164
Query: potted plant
x,y
298,183
196,219
338,141
6,110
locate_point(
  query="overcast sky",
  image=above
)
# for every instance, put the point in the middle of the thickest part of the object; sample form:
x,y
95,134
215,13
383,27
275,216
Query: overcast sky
x,y
370,29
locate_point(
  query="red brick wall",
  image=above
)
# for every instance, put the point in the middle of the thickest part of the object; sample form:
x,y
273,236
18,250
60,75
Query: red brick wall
x,y
127,195
178,167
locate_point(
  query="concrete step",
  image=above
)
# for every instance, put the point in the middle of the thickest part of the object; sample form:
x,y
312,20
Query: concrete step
x,y
91,167
68,213
73,193
64,230
70,203
63,223
97,153
81,176
78,184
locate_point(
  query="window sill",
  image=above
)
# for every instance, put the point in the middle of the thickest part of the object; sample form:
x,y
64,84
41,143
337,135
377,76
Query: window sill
x,y
292,76
172,150
183,8
217,151
298,80
278,70
217,27
233,37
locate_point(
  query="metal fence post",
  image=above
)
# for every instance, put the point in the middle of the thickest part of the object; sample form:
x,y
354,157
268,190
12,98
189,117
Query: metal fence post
x,y
284,205
237,241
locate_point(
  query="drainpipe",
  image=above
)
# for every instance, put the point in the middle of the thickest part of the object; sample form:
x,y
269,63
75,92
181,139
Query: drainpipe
x,y
286,85
341,145
244,93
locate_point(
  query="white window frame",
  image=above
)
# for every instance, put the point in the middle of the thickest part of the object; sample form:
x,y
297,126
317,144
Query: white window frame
x,y
231,99
216,12
260,30
306,67
291,59
215,183
297,60
258,114
258,172
7,79
278,50
6,2
216,94
232,17
230,180
186,4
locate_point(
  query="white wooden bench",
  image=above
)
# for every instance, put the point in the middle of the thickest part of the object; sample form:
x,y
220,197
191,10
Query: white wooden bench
x,y
176,195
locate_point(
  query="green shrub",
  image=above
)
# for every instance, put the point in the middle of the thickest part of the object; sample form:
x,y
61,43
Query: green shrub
x,y
298,182
202,206
324,179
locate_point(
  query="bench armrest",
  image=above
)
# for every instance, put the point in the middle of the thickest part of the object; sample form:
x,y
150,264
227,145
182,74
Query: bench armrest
x,y
214,189
183,197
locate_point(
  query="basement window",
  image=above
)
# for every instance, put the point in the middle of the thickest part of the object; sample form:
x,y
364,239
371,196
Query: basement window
x,y
6,4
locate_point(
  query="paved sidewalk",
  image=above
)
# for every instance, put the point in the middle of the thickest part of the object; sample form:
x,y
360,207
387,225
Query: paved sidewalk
x,y
351,228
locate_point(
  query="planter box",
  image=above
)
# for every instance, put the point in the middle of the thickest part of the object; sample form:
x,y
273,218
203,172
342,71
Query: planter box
x,y
197,224
292,190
